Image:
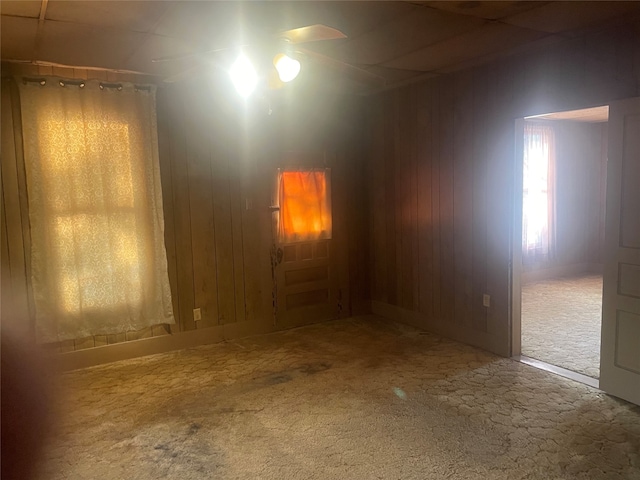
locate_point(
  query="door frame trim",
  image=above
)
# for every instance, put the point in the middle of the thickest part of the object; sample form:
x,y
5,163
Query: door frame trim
x,y
515,254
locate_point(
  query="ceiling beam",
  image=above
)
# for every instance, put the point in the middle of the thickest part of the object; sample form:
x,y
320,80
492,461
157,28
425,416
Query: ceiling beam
x,y
43,10
41,18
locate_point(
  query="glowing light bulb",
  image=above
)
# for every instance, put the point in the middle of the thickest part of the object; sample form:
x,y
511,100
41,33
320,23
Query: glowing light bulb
x,y
288,68
243,76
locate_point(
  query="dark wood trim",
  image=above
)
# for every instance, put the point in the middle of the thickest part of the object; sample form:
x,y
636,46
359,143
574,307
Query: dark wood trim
x,y
153,345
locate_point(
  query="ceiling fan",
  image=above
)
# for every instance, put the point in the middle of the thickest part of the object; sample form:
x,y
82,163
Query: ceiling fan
x,y
277,60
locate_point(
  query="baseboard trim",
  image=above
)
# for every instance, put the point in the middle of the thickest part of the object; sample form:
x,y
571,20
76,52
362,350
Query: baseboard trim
x,y
165,343
483,340
561,271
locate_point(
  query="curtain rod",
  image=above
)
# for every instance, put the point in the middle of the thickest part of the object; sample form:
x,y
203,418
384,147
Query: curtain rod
x,y
40,63
81,83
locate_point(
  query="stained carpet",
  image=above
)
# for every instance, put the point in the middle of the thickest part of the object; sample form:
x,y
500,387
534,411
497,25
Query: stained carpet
x,y
359,398
561,321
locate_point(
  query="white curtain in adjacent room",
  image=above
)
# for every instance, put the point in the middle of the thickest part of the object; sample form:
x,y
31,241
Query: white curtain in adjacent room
x,y
538,195
95,207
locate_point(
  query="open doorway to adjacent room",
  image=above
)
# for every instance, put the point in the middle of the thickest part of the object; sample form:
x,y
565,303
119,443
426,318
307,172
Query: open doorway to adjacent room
x,y
559,238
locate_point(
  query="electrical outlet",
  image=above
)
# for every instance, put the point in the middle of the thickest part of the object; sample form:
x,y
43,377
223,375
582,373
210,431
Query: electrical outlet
x,y
197,314
486,300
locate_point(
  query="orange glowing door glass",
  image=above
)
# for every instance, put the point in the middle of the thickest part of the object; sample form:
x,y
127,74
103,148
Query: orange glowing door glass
x,y
305,205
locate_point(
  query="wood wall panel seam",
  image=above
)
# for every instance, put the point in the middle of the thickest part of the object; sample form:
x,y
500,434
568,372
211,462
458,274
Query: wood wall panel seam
x,y
390,202
446,202
183,225
164,151
13,216
24,202
237,238
425,170
435,199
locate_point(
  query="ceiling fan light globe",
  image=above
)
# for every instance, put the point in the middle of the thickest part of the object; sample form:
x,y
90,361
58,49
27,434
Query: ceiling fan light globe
x,y
288,68
243,76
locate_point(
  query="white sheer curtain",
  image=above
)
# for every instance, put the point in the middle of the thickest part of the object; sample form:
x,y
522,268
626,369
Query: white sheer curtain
x,y
538,199
95,208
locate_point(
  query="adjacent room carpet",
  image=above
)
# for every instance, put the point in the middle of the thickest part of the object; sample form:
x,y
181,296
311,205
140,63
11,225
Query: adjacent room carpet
x,y
561,321
360,398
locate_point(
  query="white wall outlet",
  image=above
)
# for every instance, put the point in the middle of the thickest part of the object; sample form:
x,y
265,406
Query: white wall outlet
x,y
486,300
197,314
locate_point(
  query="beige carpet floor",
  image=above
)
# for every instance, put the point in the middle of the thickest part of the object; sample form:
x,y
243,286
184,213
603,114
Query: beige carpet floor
x,y
561,321
360,398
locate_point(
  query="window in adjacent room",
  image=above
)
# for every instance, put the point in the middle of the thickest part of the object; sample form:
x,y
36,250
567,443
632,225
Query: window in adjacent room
x,y
304,198
95,207
538,195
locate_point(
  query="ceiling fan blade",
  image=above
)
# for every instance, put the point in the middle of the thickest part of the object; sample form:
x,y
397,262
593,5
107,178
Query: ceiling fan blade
x,y
184,75
204,67
357,74
311,33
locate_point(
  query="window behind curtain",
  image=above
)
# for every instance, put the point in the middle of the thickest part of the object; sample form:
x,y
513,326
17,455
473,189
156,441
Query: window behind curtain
x,y
538,194
304,198
95,208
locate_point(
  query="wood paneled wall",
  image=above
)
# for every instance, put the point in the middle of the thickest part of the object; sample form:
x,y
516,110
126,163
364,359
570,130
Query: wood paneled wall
x,y
441,169
218,159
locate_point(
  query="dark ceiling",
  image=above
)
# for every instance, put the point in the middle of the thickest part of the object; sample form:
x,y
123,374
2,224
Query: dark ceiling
x,y
399,41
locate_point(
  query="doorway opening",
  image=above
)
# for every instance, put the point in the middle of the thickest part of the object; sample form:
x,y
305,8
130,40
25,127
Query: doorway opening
x,y
559,241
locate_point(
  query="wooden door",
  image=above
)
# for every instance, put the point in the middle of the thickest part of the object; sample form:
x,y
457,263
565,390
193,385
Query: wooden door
x,y
305,283
620,350
305,277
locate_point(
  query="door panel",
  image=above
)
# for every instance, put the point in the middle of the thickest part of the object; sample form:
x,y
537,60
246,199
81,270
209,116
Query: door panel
x,y
306,284
620,351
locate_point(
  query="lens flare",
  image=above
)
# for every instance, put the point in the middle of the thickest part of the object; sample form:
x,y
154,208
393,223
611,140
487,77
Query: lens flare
x,y
288,68
243,76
